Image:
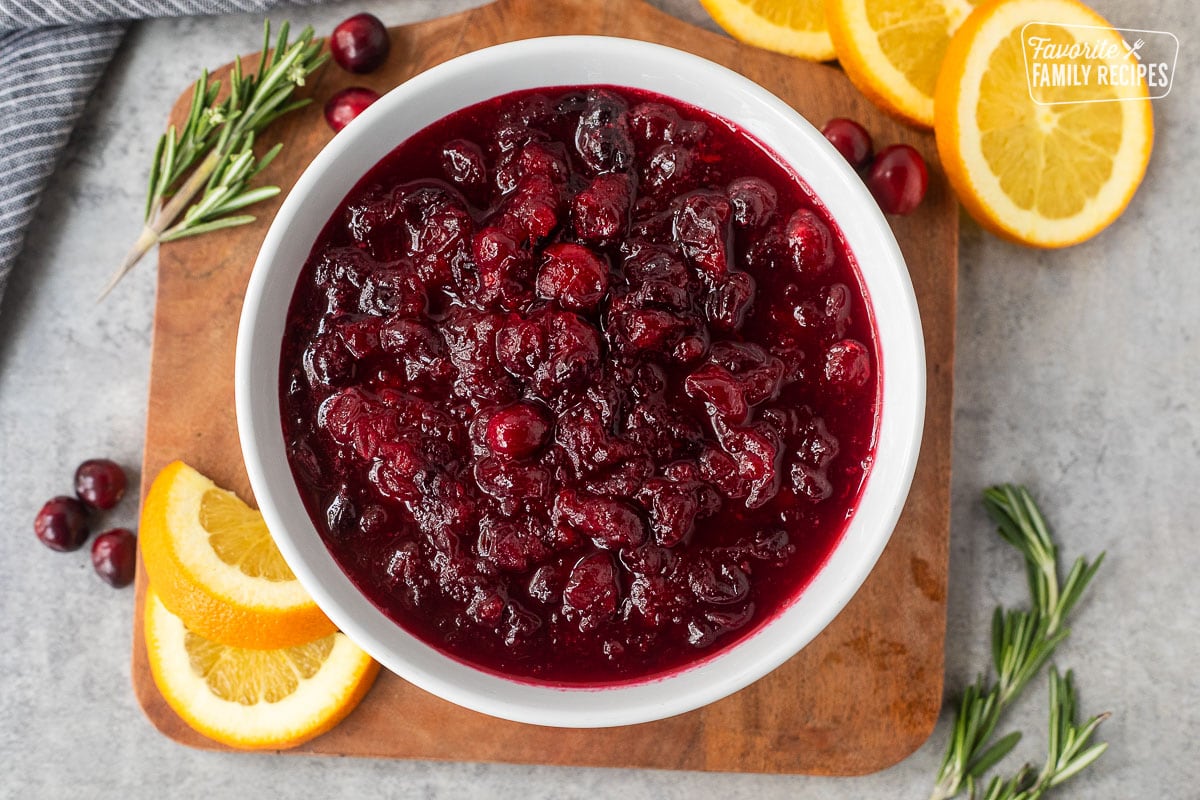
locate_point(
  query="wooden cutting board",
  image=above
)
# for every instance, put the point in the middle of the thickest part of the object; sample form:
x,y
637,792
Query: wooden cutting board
x,y
862,696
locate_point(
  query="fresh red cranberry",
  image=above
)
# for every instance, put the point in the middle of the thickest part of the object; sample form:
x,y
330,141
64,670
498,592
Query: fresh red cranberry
x,y
359,44
100,483
348,104
850,139
573,275
62,524
898,179
114,554
519,430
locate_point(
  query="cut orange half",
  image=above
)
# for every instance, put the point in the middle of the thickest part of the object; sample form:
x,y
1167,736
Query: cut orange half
x,y
792,27
254,699
213,563
1049,173
892,50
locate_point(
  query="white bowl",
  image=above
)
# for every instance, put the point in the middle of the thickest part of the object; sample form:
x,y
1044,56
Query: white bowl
x,y
560,61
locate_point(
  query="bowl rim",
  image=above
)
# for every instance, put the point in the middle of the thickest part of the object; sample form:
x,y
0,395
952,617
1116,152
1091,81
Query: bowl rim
x,y
606,61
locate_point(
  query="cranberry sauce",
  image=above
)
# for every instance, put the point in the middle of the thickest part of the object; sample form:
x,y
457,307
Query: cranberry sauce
x,y
580,385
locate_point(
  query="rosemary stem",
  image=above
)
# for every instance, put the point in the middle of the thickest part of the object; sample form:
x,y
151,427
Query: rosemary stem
x,y
163,217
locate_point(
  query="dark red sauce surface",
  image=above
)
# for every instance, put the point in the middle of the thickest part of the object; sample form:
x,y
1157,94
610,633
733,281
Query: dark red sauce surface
x,y
580,385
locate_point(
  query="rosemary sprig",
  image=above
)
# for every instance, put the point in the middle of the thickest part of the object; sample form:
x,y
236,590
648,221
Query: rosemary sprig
x,y
1068,751
1022,641
202,171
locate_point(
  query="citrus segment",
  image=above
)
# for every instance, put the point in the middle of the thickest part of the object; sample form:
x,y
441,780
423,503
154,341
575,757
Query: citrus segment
x,y
239,537
254,699
213,562
792,27
892,50
1047,174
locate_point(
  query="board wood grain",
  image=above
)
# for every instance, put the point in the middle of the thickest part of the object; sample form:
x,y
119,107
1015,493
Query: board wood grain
x,y
860,697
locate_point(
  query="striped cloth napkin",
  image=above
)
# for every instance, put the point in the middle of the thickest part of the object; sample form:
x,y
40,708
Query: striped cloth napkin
x,y
52,54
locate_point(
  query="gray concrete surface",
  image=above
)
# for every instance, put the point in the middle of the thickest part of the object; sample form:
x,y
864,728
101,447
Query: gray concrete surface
x,y
1077,372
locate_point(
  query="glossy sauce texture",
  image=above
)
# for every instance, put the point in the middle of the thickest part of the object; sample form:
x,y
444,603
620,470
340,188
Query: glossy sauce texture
x,y
580,385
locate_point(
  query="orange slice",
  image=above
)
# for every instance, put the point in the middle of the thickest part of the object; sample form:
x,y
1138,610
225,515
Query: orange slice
x,y
1050,174
213,563
254,699
792,27
892,50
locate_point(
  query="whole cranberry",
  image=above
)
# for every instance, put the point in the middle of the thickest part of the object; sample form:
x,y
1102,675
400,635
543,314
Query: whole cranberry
x,y
850,139
809,243
360,43
847,364
519,430
348,104
62,524
114,554
753,201
898,179
100,483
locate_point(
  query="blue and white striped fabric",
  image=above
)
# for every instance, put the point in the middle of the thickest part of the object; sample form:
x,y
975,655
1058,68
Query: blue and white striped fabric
x,y
52,53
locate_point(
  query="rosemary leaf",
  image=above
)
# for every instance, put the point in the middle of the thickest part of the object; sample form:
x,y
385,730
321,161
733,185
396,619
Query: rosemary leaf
x,y
267,158
266,49
994,754
248,198
155,172
206,227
